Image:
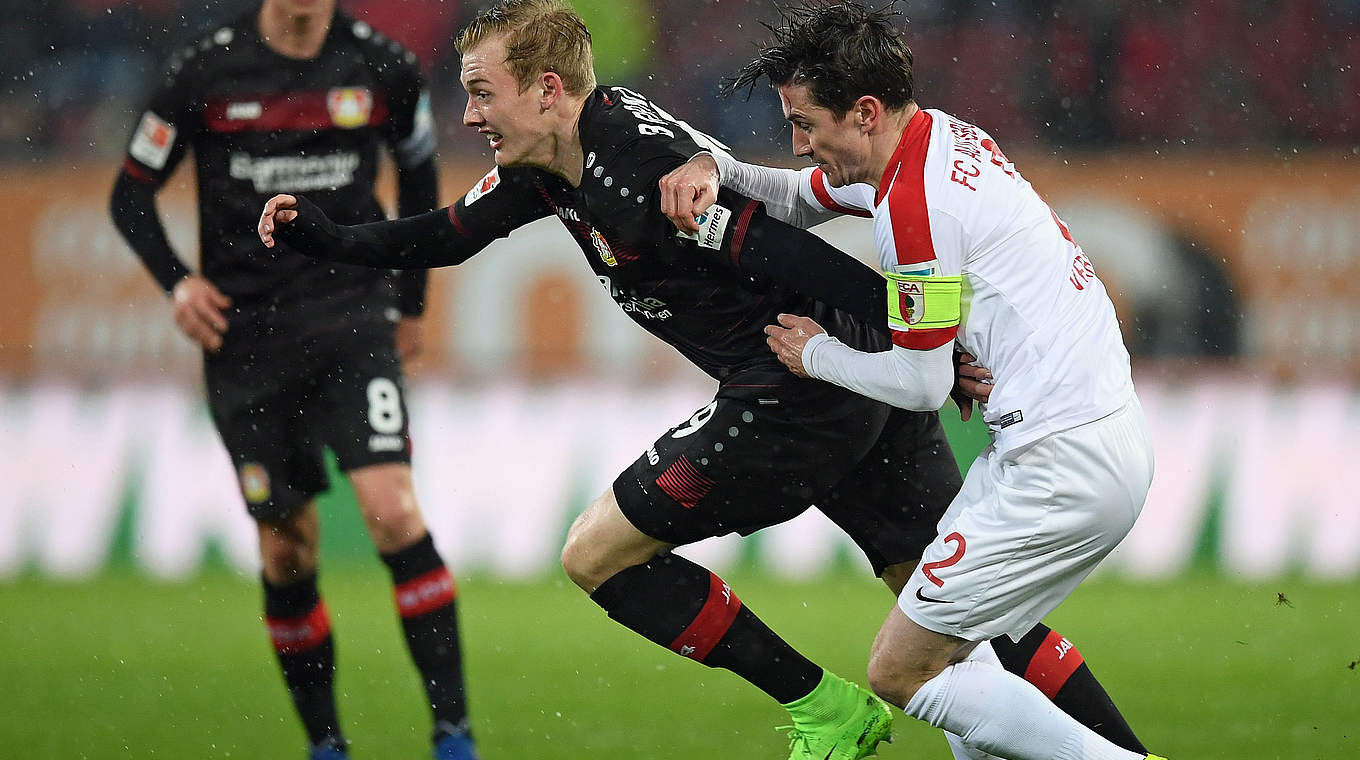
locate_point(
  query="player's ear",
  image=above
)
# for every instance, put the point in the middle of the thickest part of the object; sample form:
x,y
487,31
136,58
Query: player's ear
x,y
550,89
867,111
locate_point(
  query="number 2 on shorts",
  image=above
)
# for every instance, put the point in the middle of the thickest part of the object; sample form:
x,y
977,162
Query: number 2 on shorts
x,y
928,568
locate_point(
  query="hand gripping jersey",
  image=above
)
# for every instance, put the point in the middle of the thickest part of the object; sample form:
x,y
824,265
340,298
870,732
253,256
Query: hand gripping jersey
x,y
973,253
260,123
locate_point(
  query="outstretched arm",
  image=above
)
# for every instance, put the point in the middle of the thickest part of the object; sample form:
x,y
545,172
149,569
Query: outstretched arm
x,y
417,242
440,238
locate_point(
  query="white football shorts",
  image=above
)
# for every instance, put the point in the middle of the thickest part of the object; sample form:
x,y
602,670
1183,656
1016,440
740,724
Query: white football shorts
x,y
1030,525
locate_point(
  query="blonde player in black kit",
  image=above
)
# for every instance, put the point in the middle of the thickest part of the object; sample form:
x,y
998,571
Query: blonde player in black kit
x,y
300,354
768,446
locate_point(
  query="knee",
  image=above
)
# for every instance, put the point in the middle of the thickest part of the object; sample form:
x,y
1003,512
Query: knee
x,y
890,681
602,543
583,560
590,555
394,524
286,554
388,502
896,679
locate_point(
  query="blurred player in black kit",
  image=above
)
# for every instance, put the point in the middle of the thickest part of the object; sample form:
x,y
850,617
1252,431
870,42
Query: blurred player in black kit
x,y
299,354
768,446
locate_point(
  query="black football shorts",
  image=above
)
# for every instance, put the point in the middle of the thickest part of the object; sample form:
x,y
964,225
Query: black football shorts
x,y
278,403
885,476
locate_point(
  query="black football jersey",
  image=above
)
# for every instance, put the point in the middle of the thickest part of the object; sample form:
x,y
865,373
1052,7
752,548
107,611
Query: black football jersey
x,y
684,289
260,123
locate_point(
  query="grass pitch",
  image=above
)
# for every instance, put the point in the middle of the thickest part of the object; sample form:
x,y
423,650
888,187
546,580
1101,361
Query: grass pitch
x,y
121,667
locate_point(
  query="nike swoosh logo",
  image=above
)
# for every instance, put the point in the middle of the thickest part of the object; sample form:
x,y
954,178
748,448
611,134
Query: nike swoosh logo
x,y
925,598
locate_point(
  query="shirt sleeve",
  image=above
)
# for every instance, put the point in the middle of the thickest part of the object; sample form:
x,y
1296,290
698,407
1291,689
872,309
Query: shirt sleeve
x,y
417,193
410,135
925,283
500,202
902,377
157,145
410,128
778,189
163,130
852,200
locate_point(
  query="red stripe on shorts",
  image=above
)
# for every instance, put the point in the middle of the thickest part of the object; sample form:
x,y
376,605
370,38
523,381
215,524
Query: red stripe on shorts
x,y
712,622
299,634
683,482
426,593
1053,664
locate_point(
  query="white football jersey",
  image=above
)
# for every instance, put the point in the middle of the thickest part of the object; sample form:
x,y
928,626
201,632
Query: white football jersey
x,y
1033,310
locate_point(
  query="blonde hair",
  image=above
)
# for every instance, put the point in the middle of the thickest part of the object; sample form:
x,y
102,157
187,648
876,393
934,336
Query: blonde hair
x,y
540,35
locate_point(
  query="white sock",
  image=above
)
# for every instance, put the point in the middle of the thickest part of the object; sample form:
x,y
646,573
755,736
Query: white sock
x,y
981,653
1000,713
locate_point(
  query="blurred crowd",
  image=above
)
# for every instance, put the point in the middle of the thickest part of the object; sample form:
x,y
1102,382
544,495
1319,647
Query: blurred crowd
x,y
1059,73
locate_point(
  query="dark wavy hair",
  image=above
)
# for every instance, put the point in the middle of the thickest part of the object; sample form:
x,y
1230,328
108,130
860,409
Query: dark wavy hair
x,y
841,51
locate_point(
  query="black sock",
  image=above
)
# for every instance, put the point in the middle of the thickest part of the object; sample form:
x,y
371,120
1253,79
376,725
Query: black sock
x,y
1049,661
685,608
300,630
425,600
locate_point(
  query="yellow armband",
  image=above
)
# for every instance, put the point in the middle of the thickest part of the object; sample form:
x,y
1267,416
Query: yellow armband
x,y
923,302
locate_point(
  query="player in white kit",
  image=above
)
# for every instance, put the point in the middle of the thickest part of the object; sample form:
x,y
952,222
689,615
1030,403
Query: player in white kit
x,y
971,254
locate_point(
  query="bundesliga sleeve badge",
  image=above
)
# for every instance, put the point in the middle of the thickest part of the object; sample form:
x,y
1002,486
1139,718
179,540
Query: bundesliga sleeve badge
x,y
483,186
153,141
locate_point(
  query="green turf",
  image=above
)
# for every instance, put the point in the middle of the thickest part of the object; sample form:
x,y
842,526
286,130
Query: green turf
x,y
121,667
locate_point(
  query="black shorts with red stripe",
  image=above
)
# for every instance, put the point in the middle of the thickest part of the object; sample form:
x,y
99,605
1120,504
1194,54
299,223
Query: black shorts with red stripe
x,y
742,463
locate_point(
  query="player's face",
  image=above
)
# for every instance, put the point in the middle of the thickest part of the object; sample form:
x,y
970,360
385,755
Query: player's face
x,y
839,148
513,121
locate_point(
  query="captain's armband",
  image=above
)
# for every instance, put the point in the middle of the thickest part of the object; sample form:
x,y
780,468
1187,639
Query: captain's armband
x,y
923,302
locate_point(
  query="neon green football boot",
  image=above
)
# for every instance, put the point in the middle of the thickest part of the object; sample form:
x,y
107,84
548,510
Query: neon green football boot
x,y
839,720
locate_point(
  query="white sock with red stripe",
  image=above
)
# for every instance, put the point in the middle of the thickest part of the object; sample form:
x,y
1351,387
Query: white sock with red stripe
x,y
1000,713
